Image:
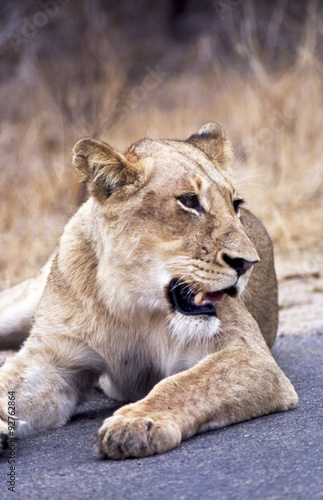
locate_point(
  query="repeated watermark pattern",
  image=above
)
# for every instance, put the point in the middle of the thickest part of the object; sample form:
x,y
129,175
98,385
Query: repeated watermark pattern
x,y
121,108
29,27
277,120
224,7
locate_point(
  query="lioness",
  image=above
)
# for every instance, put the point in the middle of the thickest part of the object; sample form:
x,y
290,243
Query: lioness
x,y
149,287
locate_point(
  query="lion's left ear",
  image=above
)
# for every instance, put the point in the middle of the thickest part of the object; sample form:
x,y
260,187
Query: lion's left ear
x,y
212,140
102,168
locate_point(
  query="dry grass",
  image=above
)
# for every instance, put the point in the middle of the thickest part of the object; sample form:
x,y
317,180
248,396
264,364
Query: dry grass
x,y
272,115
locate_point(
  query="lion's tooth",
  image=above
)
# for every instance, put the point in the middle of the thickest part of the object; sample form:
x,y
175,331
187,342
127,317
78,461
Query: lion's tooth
x,y
198,298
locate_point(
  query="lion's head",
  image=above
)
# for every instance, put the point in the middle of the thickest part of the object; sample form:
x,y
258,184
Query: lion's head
x,y
166,221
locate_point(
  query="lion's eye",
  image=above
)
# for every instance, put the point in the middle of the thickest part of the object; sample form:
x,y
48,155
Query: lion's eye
x,y
237,204
191,202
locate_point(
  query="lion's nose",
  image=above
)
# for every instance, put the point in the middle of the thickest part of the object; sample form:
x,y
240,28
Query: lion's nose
x,y
240,265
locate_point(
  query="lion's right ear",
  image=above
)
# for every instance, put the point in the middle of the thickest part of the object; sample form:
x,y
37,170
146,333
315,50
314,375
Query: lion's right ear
x,y
213,141
102,168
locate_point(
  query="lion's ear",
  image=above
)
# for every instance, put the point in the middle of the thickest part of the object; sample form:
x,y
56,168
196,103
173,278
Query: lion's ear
x,y
212,140
102,168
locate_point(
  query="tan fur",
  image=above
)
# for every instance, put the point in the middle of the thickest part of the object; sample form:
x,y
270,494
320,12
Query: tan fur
x,y
163,210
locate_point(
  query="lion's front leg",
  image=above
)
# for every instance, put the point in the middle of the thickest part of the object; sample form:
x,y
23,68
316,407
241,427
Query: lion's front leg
x,y
238,383
213,394
41,386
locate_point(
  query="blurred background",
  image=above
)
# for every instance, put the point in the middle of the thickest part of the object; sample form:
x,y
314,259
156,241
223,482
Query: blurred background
x,y
122,70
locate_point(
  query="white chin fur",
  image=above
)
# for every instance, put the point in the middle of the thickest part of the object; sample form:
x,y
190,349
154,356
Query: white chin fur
x,y
193,328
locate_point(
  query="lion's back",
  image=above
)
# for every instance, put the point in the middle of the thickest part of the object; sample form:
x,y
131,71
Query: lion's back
x,y
261,295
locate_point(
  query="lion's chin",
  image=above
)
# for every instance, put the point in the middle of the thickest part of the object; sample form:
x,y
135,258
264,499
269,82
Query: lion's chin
x,y
185,328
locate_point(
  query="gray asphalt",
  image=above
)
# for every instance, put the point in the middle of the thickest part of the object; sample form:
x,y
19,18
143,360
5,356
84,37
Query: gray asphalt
x,y
279,456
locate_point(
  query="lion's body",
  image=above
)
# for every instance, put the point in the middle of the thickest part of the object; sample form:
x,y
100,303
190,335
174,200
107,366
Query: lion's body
x,y
147,290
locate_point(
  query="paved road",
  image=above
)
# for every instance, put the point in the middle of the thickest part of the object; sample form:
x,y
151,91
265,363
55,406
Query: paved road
x,y
279,456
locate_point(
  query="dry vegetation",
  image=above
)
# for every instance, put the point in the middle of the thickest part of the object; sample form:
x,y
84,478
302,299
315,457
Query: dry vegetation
x,y
254,68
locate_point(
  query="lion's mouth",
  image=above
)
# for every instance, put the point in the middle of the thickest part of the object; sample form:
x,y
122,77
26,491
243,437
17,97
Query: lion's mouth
x,y
187,301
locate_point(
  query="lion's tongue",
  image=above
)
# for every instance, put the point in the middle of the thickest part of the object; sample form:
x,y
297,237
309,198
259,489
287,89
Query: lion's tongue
x,y
211,297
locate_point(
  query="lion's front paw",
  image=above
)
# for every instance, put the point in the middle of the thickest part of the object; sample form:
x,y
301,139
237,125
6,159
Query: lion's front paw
x,y
124,436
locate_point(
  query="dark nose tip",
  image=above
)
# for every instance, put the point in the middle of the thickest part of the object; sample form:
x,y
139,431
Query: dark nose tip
x,y
240,265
